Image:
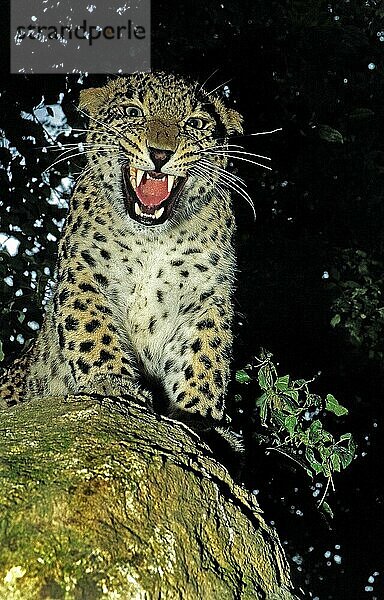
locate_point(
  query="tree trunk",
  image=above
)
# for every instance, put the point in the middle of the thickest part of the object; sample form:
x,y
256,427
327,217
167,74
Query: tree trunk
x,y
103,502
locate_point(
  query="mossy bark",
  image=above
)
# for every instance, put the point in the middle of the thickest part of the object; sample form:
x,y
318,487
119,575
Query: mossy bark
x,y
98,502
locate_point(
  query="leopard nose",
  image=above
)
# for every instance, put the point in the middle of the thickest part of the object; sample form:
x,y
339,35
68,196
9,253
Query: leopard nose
x,y
159,157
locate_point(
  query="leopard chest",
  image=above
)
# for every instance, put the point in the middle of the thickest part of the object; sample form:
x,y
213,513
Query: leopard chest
x,y
161,288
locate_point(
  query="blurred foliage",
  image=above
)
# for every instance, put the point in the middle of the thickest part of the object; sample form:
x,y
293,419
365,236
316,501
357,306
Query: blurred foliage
x,y
33,205
359,305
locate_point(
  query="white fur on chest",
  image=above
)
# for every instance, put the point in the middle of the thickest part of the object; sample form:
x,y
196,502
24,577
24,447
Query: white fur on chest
x,y
151,323
154,286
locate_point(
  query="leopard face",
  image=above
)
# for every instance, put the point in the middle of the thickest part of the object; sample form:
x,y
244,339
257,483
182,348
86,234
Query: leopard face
x,y
154,145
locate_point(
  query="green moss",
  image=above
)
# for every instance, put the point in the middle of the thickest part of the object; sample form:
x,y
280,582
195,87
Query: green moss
x,y
96,504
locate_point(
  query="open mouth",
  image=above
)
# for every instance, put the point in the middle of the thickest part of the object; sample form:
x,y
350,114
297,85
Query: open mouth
x,y
150,196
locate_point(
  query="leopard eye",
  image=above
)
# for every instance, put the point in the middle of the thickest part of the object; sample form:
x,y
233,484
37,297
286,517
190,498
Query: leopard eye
x,y
133,111
196,123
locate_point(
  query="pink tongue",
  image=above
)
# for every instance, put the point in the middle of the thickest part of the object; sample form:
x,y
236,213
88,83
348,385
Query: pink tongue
x,y
152,192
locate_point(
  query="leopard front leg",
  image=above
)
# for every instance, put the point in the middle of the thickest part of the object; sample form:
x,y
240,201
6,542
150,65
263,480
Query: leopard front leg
x,y
91,343
196,368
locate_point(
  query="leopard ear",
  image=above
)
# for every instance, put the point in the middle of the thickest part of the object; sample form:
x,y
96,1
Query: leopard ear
x,y
235,121
231,119
92,99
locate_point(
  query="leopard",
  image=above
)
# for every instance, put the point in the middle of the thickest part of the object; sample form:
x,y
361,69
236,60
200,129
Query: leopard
x,y
145,274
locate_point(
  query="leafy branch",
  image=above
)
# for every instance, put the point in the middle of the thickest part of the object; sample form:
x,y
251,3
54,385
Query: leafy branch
x,y
290,412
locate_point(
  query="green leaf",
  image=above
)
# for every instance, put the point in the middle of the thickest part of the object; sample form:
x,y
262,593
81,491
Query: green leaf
x,y
282,383
315,431
261,399
332,405
352,446
335,462
278,417
293,394
242,376
325,508
303,437
264,378
335,320
346,455
1,352
327,437
290,424
330,135
262,403
324,451
310,456
287,405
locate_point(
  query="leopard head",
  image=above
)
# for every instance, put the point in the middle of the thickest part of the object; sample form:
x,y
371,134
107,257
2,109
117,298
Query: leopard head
x,y
154,144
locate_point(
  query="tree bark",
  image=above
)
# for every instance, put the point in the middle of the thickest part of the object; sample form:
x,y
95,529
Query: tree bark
x,y
99,501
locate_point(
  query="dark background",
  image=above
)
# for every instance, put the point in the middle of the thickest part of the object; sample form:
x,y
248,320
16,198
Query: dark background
x,y
315,69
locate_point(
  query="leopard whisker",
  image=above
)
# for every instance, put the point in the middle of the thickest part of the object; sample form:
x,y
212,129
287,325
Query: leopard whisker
x,y
88,168
81,131
252,162
225,146
70,147
228,182
82,172
234,185
196,170
244,135
216,88
232,152
236,148
90,148
214,167
267,132
68,157
201,87
223,171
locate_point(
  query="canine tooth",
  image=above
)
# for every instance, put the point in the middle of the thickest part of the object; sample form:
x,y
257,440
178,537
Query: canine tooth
x,y
132,171
138,210
139,176
133,182
171,180
159,212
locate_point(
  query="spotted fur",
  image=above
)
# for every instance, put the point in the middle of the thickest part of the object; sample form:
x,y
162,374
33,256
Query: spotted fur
x,y
135,303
